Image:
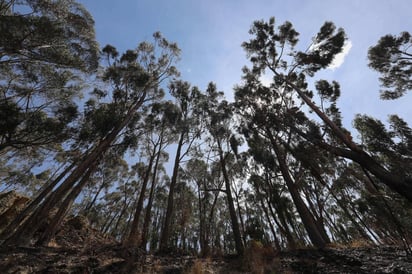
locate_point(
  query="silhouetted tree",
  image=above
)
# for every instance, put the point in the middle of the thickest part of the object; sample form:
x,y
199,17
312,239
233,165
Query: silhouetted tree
x,y
392,58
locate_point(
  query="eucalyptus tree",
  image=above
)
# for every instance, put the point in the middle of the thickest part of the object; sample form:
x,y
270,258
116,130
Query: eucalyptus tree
x,y
276,160
185,220
392,58
224,142
203,174
109,174
46,50
156,139
187,129
162,116
132,82
196,171
158,170
273,51
159,207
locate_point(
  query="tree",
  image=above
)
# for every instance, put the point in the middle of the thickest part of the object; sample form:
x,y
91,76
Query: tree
x,y
223,141
267,51
196,170
187,129
154,144
135,79
392,58
44,53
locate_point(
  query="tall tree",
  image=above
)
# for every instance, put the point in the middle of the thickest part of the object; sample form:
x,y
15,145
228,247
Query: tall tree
x,y
164,115
218,120
156,129
187,129
392,58
135,79
273,51
45,49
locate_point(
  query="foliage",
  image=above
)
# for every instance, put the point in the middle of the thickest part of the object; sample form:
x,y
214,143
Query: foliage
x,y
43,55
273,170
392,58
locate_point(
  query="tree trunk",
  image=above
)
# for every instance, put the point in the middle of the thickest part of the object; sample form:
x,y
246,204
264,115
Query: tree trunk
x,y
307,219
164,238
133,238
232,211
242,224
401,185
319,221
283,226
147,217
49,233
26,231
272,228
202,230
343,205
126,204
93,201
106,226
6,233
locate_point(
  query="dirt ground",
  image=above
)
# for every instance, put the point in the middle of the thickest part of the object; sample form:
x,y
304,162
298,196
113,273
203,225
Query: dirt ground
x,y
78,248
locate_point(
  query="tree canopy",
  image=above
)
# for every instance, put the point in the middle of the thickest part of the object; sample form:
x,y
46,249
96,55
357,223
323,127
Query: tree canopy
x,y
162,165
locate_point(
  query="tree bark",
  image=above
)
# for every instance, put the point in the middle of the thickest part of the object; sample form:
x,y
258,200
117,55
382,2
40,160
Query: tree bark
x,y
26,231
146,222
133,238
49,233
308,220
6,233
232,211
401,185
164,238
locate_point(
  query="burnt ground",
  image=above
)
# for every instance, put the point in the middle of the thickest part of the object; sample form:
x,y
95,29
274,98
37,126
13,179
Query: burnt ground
x,y
111,258
78,248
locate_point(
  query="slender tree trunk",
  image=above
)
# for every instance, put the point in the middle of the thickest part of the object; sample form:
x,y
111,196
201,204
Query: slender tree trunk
x,y
232,211
164,238
401,185
6,233
304,213
239,212
272,228
133,238
26,231
208,224
126,204
23,235
343,205
93,201
283,226
318,217
202,230
147,217
49,233
106,226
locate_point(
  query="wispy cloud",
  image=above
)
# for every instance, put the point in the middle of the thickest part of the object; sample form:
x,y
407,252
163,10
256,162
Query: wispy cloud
x,y
340,58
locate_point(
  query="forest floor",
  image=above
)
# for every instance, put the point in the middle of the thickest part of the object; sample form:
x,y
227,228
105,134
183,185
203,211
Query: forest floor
x,y
78,248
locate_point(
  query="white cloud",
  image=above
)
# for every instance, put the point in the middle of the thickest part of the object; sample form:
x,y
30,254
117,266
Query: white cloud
x,y
340,58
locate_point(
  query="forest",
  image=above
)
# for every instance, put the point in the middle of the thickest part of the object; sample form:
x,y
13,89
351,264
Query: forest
x,y
163,166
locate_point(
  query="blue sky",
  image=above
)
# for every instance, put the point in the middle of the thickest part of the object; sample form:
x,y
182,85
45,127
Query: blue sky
x,y
210,33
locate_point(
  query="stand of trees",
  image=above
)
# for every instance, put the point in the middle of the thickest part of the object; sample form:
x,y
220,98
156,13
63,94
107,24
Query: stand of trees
x,y
275,166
